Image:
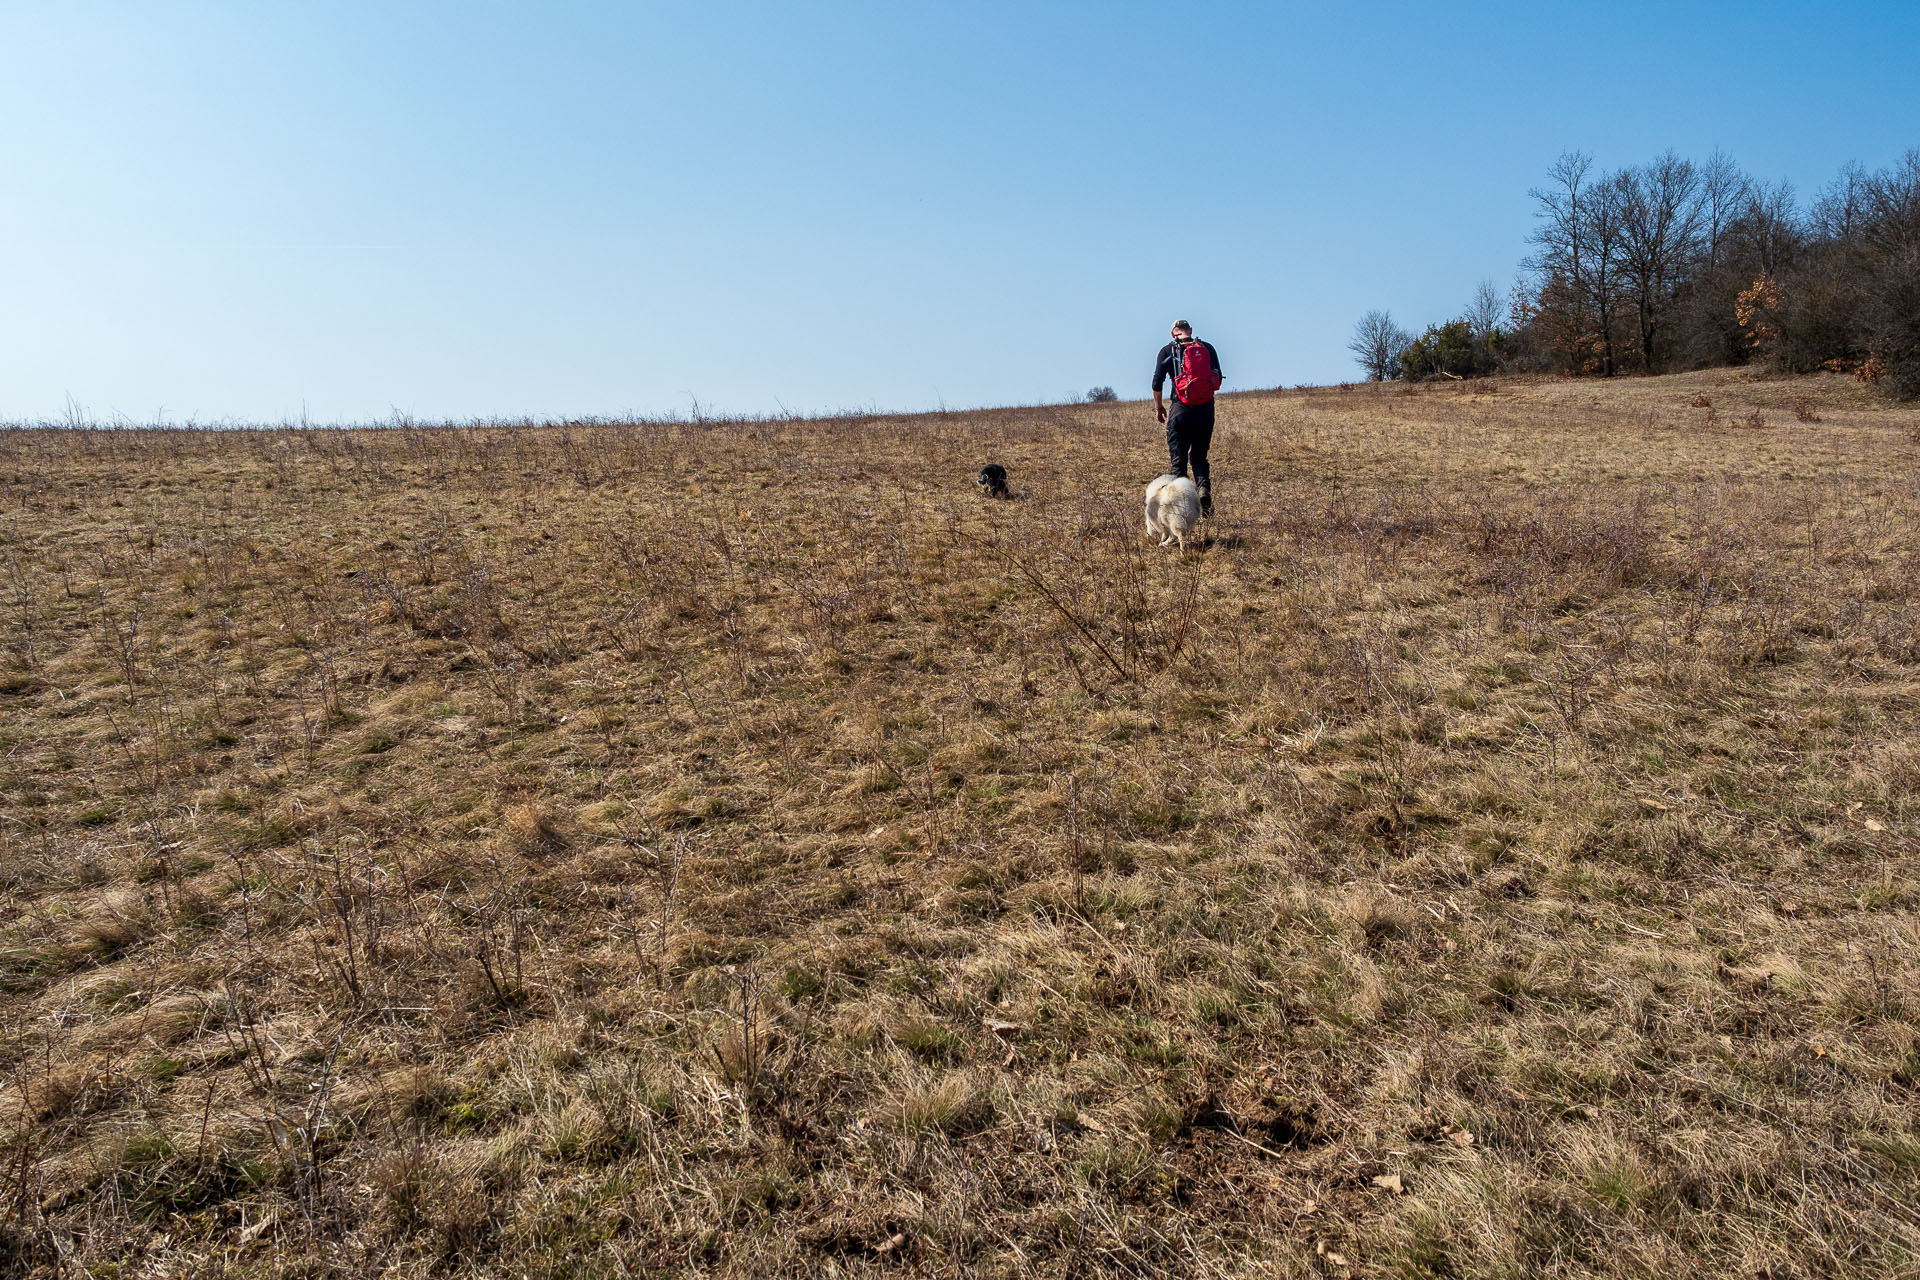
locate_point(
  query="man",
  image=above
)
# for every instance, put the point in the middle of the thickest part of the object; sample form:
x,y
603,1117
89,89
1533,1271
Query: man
x,y
1196,376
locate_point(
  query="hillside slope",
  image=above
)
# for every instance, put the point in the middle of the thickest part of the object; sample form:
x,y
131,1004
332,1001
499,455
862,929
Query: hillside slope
x,y
738,849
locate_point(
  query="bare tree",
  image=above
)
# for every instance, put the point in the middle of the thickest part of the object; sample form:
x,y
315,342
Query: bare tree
x,y
1377,344
1891,200
1723,190
1483,319
1560,265
1484,312
1768,227
1704,328
1888,267
1839,208
1659,212
1561,208
1606,244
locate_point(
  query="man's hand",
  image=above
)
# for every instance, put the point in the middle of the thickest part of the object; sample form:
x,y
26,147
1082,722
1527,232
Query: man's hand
x,y
1159,408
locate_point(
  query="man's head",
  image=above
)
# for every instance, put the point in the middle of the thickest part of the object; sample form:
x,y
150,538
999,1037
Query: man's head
x,y
1181,329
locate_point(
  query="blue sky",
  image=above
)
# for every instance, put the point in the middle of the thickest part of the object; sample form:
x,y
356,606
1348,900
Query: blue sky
x,y
250,211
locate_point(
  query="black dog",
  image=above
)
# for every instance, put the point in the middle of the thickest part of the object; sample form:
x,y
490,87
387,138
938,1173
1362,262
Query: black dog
x,y
993,481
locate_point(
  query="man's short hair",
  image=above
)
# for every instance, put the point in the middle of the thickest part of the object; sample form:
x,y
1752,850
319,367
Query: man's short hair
x,y
1183,325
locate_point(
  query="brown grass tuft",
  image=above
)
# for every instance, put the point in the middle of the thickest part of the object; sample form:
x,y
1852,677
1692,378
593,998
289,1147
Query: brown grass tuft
x,y
535,825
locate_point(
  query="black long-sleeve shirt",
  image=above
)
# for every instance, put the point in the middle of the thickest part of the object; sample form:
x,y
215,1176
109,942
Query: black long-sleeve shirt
x,y
1167,364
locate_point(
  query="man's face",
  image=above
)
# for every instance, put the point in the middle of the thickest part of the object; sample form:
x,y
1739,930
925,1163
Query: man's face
x,y
1181,333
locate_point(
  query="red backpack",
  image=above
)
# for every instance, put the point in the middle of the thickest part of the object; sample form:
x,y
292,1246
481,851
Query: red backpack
x,y
1196,381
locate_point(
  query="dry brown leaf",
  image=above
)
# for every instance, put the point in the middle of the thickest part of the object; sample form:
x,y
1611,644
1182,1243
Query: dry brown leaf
x,y
1873,825
1391,1181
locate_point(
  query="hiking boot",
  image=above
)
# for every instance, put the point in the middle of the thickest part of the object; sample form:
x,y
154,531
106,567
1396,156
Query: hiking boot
x,y
1206,505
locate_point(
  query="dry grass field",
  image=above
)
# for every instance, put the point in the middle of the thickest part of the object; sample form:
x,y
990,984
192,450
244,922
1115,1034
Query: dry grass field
x,y
737,849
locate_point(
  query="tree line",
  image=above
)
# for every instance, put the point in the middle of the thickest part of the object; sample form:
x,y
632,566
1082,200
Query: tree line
x,y
1676,265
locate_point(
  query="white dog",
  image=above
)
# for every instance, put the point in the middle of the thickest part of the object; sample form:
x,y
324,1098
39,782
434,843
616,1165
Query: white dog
x,y
1173,509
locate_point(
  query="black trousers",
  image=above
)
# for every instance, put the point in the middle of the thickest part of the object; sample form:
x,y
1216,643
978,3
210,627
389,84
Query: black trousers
x,y
1189,433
